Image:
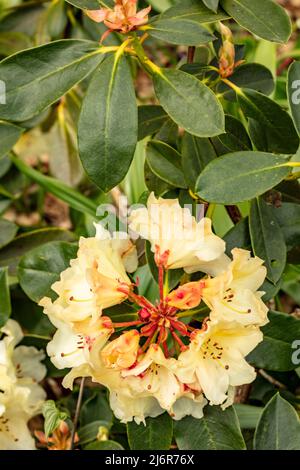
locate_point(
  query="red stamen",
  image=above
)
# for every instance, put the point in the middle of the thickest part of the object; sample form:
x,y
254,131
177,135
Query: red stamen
x,y
183,347
126,324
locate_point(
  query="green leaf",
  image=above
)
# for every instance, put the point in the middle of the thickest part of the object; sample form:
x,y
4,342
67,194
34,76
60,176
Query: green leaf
x,y
264,18
8,231
252,76
153,183
53,416
190,104
5,304
165,162
194,10
180,31
291,282
85,4
235,138
238,236
271,127
217,430
45,73
151,118
240,176
9,134
197,152
64,192
95,408
156,435
104,445
107,147
56,18
288,217
248,415
278,427
267,239
212,4
275,352
42,266
293,91
11,254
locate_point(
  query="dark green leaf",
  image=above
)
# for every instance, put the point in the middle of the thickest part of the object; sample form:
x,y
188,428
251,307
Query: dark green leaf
x,y
293,89
264,18
288,217
95,408
89,432
45,73
212,4
7,232
253,76
11,254
5,304
9,134
241,176
85,4
217,430
193,10
271,127
275,352
267,238
165,162
235,138
107,147
278,427
248,415
156,435
291,282
151,118
180,31
42,266
190,104
196,152
153,183
238,236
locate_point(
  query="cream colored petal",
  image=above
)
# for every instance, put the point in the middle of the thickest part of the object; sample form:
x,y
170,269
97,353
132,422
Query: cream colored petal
x,y
27,361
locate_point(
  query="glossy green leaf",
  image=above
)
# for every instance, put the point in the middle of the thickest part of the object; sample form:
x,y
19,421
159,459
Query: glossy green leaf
x,y
89,432
95,408
238,236
151,118
248,415
278,427
235,138
53,416
291,282
293,89
156,435
154,183
265,18
45,73
107,147
211,4
193,10
7,232
11,254
190,104
196,152
271,127
275,352
41,267
74,198
5,303
217,430
253,76
241,176
180,31
9,134
267,239
165,162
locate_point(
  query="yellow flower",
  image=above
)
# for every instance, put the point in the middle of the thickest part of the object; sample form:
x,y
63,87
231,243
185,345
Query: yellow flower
x,y
177,239
233,295
186,296
216,358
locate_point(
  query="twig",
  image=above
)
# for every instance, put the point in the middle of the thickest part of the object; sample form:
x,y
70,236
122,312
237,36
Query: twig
x,y
191,54
242,393
271,379
234,213
77,411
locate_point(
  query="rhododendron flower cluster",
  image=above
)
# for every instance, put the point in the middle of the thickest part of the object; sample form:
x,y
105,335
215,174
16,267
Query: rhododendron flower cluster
x,y
184,350
21,397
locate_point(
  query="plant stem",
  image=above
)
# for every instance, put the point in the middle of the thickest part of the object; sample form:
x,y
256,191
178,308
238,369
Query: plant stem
x,y
191,54
77,411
